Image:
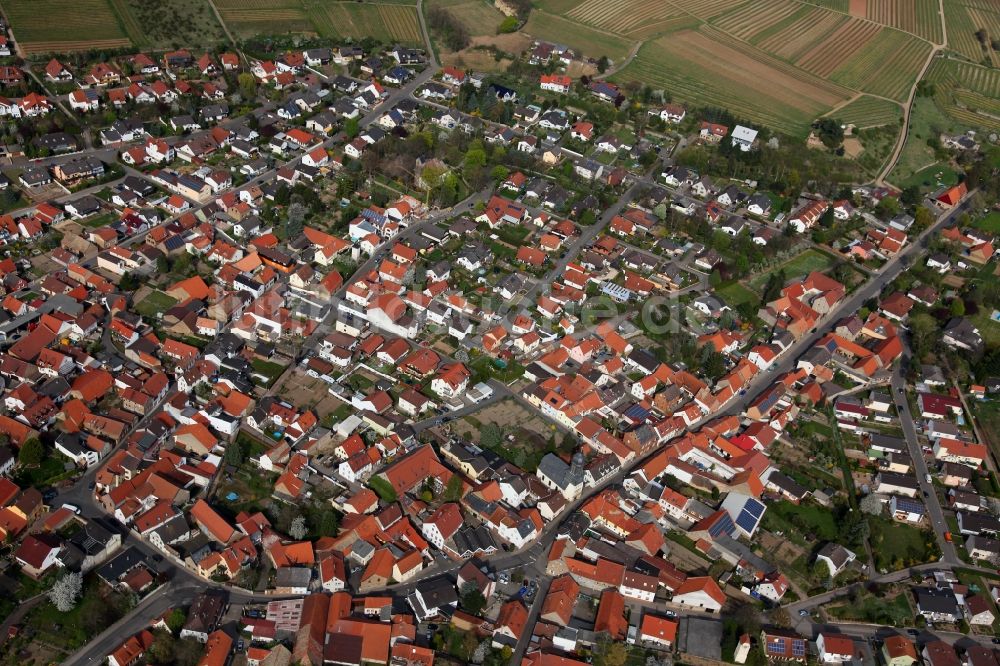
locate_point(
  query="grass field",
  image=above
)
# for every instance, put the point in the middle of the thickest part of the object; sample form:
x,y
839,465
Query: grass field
x,y
736,294
699,67
168,23
156,302
867,111
897,546
797,267
252,17
388,22
478,17
48,26
590,41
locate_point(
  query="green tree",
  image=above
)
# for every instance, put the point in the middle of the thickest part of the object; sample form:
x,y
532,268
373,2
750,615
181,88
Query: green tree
x,y
509,24
234,453
248,86
472,599
176,620
351,127
957,307
602,64
31,453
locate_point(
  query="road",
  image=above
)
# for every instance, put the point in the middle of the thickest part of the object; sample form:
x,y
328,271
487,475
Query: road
x,y
930,496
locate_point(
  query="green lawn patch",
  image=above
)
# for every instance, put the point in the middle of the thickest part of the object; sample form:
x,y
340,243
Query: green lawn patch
x,y
268,369
796,267
897,546
735,294
97,609
156,303
382,488
990,223
98,221
876,610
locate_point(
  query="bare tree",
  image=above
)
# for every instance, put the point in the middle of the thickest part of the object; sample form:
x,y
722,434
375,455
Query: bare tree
x,y
65,593
297,530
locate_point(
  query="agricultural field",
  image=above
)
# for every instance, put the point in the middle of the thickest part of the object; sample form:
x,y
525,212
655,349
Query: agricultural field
x,y
591,42
867,111
386,22
638,19
699,67
252,17
918,17
967,93
888,66
168,23
478,17
747,23
965,18
50,26
850,39
795,36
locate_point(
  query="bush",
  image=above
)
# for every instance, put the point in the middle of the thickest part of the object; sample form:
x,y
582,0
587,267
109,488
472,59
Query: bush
x,y
382,488
509,24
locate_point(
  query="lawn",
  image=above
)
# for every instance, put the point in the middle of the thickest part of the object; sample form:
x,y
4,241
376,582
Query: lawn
x,y
897,546
736,294
99,221
802,519
97,609
876,610
589,41
796,267
156,303
268,369
989,329
990,223
926,121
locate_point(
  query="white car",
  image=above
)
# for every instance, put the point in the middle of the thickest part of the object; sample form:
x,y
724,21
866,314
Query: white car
x,y
72,507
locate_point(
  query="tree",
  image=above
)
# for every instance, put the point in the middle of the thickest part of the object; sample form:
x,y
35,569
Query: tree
x,y
248,86
830,132
957,307
162,649
295,220
351,127
602,64
610,653
871,505
298,530
234,453
509,24
66,591
472,599
176,619
32,452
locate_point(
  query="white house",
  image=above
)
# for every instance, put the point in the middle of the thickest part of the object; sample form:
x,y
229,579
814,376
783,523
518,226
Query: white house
x,y
834,648
743,137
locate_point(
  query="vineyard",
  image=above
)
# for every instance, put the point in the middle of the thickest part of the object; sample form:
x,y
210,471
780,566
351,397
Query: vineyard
x,y
699,67
793,38
844,43
888,66
866,112
965,18
45,26
756,20
968,93
919,17
251,17
632,18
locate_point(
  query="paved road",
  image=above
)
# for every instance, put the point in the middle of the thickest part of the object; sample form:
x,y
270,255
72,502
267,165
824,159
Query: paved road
x,y
930,496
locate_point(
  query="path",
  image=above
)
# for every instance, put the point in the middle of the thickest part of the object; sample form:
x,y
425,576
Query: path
x,y
15,618
908,107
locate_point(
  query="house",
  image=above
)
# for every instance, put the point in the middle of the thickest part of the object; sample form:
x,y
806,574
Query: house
x,y
937,605
898,650
834,648
783,645
836,558
700,592
743,137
